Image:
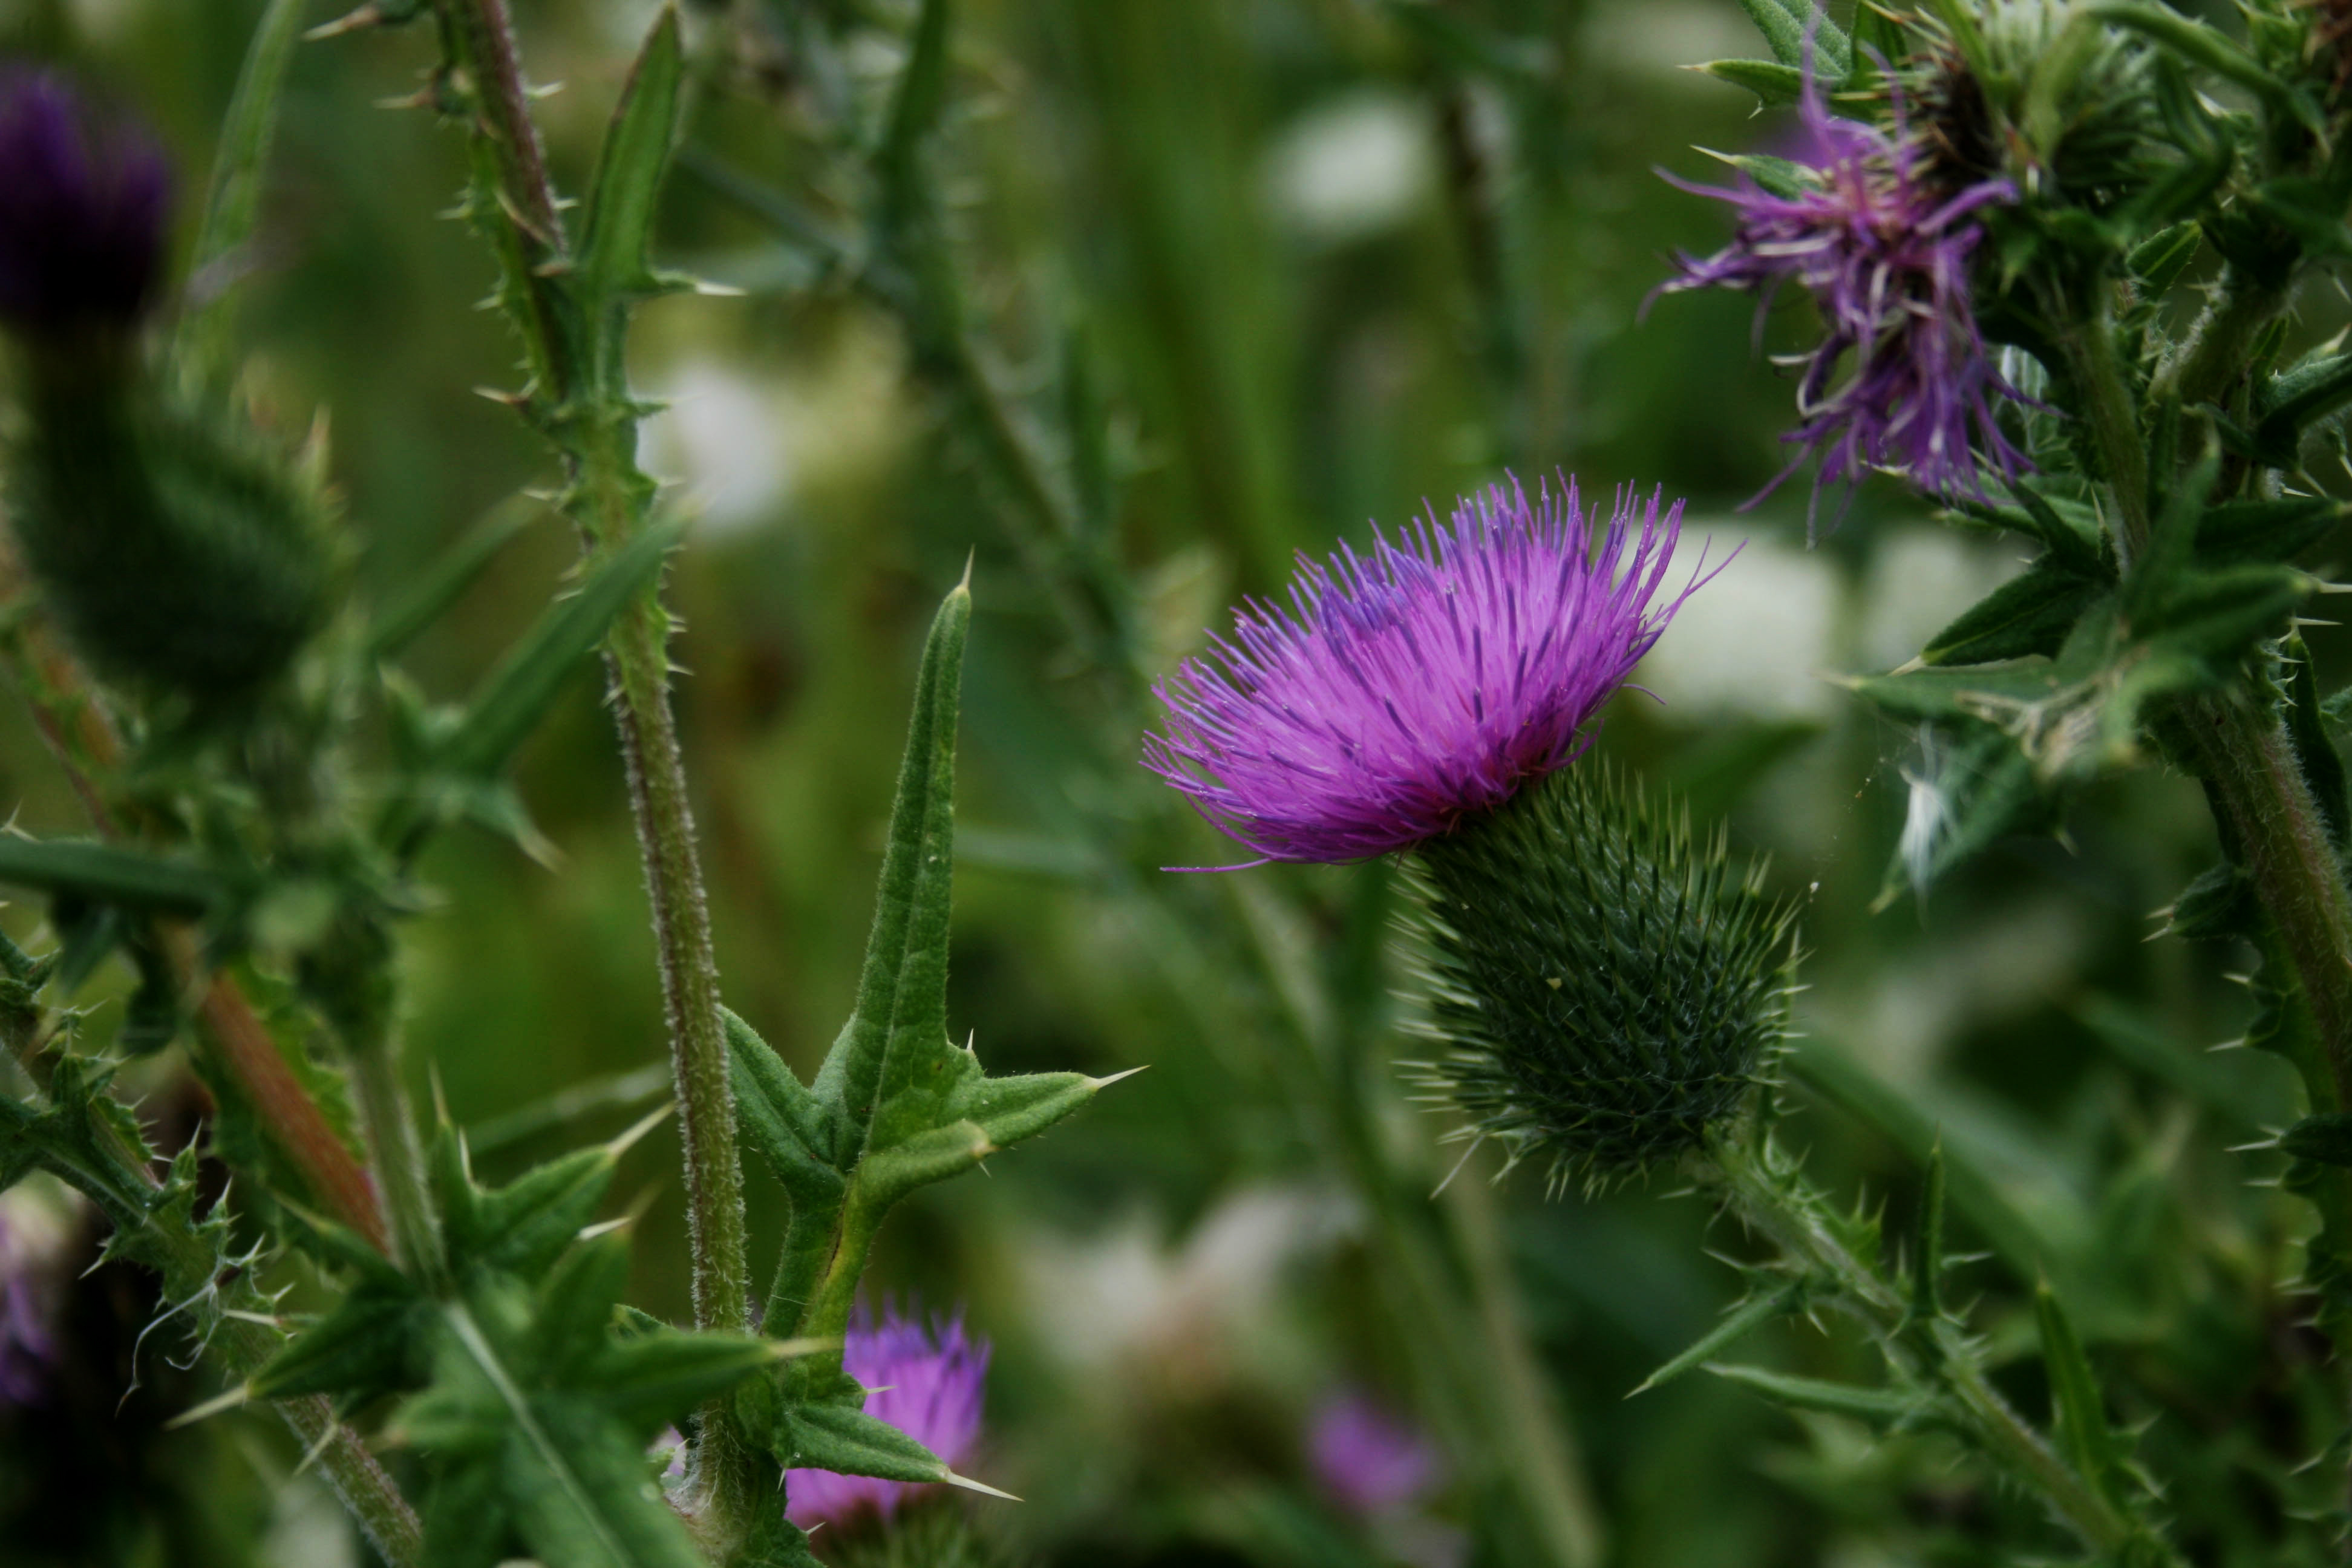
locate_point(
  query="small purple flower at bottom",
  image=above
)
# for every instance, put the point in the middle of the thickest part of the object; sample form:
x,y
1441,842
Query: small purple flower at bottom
x,y
927,1380
27,1346
1885,250
83,204
1368,1460
1403,691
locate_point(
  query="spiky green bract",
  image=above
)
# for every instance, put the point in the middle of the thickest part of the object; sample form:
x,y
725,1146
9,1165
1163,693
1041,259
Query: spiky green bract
x,y
1609,987
181,554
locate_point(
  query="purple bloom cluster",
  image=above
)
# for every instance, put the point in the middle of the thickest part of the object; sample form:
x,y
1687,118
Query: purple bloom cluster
x,y
1884,253
82,211
1403,692
1367,1460
927,1380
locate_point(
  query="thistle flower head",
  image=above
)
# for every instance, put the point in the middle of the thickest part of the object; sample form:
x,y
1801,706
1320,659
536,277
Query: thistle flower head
x,y
1368,1460
82,211
927,1380
1902,377
1607,988
1404,691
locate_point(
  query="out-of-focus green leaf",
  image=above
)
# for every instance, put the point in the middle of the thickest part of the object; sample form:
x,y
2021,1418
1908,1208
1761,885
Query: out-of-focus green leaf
x,y
2157,261
2083,1431
233,200
1760,1308
449,577
1775,85
610,267
1881,1408
2028,614
1801,34
104,874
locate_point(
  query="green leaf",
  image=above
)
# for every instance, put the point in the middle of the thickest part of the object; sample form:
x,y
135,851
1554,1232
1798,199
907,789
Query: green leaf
x,y
1775,85
610,266
430,598
1741,1320
1777,175
915,112
85,1137
106,875
848,1442
515,696
781,1120
2031,614
233,200
1881,1408
2157,261
2266,531
1801,34
2068,529
893,1070
373,1343
2082,1434
1928,1243
2324,1139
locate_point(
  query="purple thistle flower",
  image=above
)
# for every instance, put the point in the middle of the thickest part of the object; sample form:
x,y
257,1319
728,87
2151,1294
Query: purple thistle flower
x,y
27,1346
926,1381
1367,1460
82,210
1885,254
1400,693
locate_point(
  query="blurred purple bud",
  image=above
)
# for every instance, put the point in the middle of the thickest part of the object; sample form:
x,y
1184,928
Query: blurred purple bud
x,y
27,1302
83,204
1369,1462
927,1380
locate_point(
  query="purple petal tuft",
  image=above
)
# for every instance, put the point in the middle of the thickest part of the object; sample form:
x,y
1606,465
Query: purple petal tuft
x,y
927,1380
1400,692
1884,252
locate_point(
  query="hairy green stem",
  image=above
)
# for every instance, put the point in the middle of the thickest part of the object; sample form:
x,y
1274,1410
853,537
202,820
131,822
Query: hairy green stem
x,y
2213,355
1772,1198
579,401
351,977
2111,411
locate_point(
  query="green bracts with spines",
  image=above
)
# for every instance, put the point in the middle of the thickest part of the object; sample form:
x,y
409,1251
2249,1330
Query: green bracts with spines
x,y
1609,986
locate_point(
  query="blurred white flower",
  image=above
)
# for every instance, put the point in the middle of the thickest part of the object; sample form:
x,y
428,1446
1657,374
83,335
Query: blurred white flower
x,y
748,446
1124,1304
1921,579
1352,166
1756,641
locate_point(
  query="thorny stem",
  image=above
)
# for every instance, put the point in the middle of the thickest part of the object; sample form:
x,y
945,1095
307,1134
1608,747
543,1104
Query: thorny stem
x,y
2244,756
1771,1197
81,736
594,424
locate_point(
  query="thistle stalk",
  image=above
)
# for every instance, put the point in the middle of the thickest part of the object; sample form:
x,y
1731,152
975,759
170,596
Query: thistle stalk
x,y
578,397
1765,1189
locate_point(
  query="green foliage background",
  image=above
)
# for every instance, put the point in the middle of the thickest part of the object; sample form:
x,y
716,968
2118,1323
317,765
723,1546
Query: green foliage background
x,y
1175,1279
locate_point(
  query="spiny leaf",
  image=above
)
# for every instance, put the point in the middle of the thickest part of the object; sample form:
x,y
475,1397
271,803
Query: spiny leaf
x,y
781,1120
106,875
2159,260
1928,1243
2031,614
2324,1139
1775,85
2082,1420
610,266
2307,726
848,1442
2266,531
1760,1309
1881,1408
890,1072
515,696
233,201
1801,34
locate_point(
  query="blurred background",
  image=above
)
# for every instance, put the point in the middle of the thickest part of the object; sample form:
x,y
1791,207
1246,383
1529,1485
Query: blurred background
x,y
1232,279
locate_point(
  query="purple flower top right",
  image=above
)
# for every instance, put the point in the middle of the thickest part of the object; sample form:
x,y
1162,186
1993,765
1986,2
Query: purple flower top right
x,y
1903,378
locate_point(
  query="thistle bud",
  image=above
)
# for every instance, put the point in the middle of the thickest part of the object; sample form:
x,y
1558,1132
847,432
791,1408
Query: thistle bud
x,y
1609,988
82,211
179,550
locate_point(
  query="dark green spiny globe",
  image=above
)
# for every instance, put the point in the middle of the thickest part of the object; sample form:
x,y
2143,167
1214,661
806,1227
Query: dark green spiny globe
x,y
1607,988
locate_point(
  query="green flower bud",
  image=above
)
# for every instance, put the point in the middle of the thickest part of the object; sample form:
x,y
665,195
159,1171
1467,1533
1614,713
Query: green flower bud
x,y
1609,987
179,552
